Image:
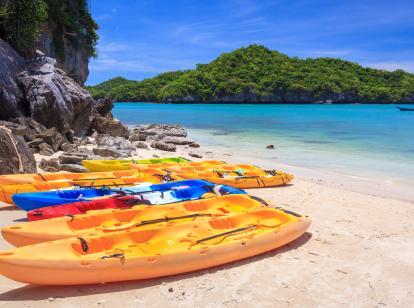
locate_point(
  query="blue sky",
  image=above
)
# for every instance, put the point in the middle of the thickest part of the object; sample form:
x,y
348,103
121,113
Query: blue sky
x,y
142,38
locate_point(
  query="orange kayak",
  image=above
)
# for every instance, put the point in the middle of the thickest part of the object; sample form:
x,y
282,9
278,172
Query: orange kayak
x,y
140,216
153,252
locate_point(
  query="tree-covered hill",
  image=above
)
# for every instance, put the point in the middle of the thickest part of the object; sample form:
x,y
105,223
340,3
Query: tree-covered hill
x,y
259,75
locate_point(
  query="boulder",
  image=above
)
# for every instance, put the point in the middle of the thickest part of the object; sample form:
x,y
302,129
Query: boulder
x,y
103,106
140,145
194,154
15,155
177,140
68,147
161,130
72,158
107,125
53,98
45,149
73,168
49,165
35,143
164,146
118,143
53,138
135,136
194,145
110,152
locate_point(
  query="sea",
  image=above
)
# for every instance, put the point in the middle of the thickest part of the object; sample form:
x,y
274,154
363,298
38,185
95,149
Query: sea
x,y
356,141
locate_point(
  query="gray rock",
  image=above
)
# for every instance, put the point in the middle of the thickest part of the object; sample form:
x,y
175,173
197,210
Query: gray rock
x,y
110,152
161,129
119,143
135,136
103,106
35,143
72,158
11,96
49,165
53,138
194,145
109,126
45,149
73,168
164,146
15,155
54,99
270,147
68,147
177,140
140,145
194,154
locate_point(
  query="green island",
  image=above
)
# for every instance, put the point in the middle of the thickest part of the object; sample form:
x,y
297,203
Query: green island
x,y
256,74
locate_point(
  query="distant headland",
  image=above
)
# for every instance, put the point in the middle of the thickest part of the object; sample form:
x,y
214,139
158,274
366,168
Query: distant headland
x,y
256,74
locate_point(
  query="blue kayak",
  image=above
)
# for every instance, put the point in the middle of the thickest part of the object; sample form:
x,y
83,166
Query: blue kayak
x,y
177,191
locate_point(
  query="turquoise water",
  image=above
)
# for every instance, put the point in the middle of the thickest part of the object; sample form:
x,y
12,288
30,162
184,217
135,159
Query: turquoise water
x,y
370,140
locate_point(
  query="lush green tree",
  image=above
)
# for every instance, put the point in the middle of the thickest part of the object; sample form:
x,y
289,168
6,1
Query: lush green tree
x,y
269,76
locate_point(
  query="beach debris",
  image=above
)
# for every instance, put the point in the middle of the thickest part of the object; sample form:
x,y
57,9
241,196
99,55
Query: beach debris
x,y
270,147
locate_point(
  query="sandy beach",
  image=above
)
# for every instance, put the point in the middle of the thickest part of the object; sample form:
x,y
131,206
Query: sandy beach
x,y
357,252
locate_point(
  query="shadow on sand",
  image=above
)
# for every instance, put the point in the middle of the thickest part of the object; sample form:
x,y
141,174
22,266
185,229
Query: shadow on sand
x,y
32,293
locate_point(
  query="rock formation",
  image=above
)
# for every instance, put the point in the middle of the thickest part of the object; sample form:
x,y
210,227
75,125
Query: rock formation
x,y
15,155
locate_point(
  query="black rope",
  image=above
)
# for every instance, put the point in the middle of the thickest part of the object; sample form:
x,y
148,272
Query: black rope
x,y
72,217
115,255
164,219
225,233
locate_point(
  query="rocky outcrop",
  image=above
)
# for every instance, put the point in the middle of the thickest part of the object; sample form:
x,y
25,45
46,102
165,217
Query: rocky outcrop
x,y
15,155
55,100
38,89
11,96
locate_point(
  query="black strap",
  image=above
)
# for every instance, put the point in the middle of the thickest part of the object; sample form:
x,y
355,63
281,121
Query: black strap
x,y
84,244
115,255
260,200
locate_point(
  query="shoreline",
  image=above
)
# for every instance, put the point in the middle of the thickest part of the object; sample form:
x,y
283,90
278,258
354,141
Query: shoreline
x,y
263,103
353,254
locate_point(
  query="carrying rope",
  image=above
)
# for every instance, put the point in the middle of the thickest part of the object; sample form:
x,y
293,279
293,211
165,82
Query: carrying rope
x,y
120,256
13,141
225,233
166,219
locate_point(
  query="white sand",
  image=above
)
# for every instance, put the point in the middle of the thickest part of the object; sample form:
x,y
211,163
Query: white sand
x,y
358,252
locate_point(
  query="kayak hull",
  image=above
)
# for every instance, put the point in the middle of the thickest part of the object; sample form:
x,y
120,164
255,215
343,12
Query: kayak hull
x,y
67,263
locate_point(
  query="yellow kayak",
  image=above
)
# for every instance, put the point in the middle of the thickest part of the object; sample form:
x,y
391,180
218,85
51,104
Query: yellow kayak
x,y
152,252
140,216
116,165
239,176
28,178
7,191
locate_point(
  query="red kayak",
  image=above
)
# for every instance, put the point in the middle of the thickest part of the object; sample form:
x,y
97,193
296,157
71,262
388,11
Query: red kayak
x,y
82,207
